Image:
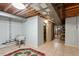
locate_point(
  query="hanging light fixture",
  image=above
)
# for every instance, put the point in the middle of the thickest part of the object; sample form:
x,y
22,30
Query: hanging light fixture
x,y
18,5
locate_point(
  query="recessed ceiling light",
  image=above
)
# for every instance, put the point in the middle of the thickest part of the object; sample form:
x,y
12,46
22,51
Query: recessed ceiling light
x,y
18,5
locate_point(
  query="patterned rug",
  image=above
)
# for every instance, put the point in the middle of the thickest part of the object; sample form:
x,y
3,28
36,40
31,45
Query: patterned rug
x,y
25,52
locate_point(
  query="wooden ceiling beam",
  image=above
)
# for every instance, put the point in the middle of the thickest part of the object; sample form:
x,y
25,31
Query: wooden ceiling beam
x,y
15,11
71,14
32,12
76,10
27,12
76,6
7,7
72,10
23,11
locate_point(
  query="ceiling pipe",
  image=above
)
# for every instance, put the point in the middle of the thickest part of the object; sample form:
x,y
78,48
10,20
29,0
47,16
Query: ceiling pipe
x,y
54,15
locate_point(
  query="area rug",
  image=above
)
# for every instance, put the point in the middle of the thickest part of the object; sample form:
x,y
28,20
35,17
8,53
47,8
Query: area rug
x,y
25,52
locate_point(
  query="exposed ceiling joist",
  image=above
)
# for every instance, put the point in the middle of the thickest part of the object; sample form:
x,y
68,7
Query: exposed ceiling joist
x,y
7,7
23,11
72,7
71,10
15,11
29,11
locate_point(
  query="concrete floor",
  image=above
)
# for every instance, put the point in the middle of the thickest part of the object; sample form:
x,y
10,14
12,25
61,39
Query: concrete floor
x,y
52,48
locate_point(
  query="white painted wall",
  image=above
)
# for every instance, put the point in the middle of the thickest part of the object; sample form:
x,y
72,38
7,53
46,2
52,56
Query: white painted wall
x,y
78,30
4,30
71,35
48,30
32,28
31,31
16,28
40,31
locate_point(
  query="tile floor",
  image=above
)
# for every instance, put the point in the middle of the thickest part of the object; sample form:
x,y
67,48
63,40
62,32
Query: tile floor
x,y
52,48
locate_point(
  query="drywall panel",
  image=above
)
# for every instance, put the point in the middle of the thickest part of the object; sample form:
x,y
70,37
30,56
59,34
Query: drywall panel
x,y
4,30
16,29
78,28
9,29
40,31
31,31
48,30
71,31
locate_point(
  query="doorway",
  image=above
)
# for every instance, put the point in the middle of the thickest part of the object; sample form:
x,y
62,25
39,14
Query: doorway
x,y
52,31
44,29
